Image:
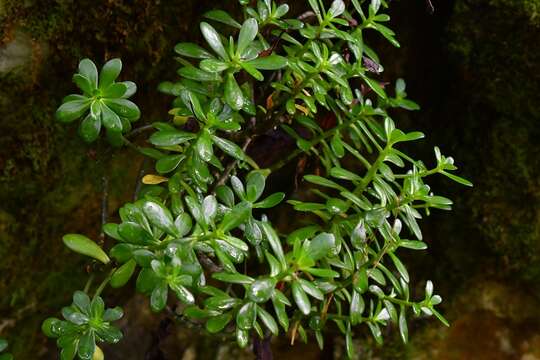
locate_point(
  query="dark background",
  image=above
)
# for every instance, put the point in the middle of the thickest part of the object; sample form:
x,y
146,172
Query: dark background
x,y
473,66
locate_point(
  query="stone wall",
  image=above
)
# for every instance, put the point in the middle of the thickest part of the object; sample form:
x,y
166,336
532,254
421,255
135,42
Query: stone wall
x,y
474,67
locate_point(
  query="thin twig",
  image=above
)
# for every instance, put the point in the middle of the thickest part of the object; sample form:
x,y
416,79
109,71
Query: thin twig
x,y
208,263
306,15
139,130
104,205
138,184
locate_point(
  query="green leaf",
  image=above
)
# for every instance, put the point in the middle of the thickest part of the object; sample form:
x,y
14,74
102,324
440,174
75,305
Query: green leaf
x,y
97,307
158,299
248,32
212,38
242,337
315,6
337,145
131,89
221,302
116,90
360,281
192,50
90,128
235,217
311,289
143,257
255,183
113,314
275,266
204,147
214,65
109,334
279,309
160,217
109,73
400,267
274,241
83,83
192,102
268,320
271,62
413,245
87,345
349,345
71,314
225,195
237,243
110,119
124,108
340,173
193,73
356,308
71,110
403,329
168,163
122,275
324,273
218,323
170,137
222,17
281,10
457,179
300,298
337,8
82,301
270,202
261,290
83,245
251,70
229,148
182,293
209,208
318,180
234,278
134,233
237,186
88,69
375,86
233,94
440,317
69,351
122,252
245,318
146,281
49,327
320,246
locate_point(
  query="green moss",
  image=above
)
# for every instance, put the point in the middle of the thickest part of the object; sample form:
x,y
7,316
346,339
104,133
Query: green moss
x,y
498,57
50,181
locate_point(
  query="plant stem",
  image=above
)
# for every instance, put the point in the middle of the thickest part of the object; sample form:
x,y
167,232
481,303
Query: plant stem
x,y
88,283
104,283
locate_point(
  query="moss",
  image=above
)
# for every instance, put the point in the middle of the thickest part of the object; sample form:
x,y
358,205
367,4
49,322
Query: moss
x,y
50,181
501,72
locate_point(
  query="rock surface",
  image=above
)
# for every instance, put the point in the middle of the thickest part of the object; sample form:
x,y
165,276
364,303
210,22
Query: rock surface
x,y
474,66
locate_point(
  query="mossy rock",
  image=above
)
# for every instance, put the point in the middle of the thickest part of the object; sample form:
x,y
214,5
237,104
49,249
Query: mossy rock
x,y
50,181
495,44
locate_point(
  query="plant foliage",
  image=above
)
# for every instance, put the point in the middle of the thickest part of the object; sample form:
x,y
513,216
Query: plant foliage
x,y
200,234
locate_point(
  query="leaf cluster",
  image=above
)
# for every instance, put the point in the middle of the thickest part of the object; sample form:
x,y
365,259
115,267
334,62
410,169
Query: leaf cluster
x,y
199,233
